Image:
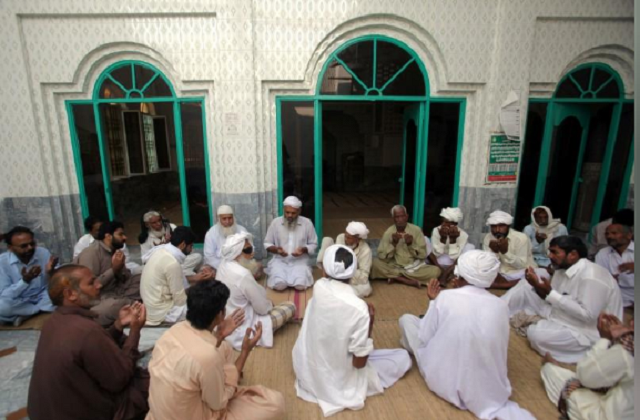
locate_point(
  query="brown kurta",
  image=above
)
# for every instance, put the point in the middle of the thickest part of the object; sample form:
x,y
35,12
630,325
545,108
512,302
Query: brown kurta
x,y
82,371
117,289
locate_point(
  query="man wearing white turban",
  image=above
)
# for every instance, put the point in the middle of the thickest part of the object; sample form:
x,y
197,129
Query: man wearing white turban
x,y
247,295
291,238
512,248
218,233
461,343
448,242
541,231
334,360
355,238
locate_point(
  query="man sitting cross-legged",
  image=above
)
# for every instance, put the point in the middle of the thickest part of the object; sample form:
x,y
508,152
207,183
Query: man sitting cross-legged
x,y
163,283
448,242
602,386
402,252
355,238
541,231
248,295
461,343
562,314
81,370
333,358
193,371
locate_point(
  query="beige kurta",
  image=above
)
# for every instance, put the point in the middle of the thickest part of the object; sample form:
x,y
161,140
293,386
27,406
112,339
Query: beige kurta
x,y
192,379
403,260
518,256
360,280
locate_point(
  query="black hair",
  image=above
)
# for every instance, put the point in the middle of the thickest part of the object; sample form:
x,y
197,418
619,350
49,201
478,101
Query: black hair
x,y
205,300
90,221
17,230
109,228
623,217
182,234
569,243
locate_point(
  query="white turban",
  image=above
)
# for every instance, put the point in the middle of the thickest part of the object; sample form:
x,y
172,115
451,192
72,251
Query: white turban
x,y
358,229
452,214
224,209
479,268
499,217
336,270
234,245
292,201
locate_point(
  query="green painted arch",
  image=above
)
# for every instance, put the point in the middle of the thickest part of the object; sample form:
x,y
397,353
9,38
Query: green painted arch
x,y
137,90
378,90
590,92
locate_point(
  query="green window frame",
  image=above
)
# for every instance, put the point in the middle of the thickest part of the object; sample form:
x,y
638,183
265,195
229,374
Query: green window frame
x,y
371,92
136,94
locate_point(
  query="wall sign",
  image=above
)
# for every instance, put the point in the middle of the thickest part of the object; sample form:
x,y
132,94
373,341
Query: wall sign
x,y
504,155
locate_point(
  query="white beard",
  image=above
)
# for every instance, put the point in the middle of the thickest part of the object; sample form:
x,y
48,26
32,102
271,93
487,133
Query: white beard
x,y
159,234
228,231
291,226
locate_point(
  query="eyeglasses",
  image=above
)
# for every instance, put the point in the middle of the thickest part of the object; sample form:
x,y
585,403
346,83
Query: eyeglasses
x,y
247,250
31,244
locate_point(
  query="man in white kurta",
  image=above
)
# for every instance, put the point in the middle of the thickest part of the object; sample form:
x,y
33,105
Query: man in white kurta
x,y
355,238
448,242
247,294
569,304
512,248
333,358
603,385
598,239
461,343
541,231
619,259
291,239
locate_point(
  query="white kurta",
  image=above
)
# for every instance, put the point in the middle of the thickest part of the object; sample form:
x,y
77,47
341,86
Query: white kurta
x,y
87,239
518,257
248,295
360,279
580,293
213,242
451,250
334,330
290,271
611,260
461,349
162,288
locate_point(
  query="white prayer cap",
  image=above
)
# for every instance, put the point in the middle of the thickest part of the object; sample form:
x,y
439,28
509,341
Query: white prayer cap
x,y
479,268
234,245
336,270
358,229
224,209
499,217
292,201
452,214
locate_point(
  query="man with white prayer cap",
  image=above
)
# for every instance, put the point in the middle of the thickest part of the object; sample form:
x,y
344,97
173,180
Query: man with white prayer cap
x,y
218,233
512,248
355,238
291,238
541,231
334,360
247,294
461,343
448,242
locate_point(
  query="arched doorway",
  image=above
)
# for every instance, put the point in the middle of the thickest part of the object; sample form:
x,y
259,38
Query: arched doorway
x,y
366,140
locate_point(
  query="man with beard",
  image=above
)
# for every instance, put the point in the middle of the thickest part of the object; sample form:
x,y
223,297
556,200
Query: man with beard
x,y
163,285
618,258
541,231
106,261
81,370
402,253
216,236
291,238
355,238
512,248
156,230
24,273
564,311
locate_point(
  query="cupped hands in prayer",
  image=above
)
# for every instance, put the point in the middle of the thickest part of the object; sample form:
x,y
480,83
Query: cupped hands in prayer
x,y
229,325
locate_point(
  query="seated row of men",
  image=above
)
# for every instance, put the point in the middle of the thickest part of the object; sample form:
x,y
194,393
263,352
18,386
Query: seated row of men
x,y
460,347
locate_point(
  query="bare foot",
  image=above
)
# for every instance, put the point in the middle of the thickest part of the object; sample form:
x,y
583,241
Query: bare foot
x,y
549,359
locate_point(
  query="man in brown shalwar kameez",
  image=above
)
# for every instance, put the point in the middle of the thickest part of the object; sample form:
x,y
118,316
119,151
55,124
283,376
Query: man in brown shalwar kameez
x,y
106,260
81,370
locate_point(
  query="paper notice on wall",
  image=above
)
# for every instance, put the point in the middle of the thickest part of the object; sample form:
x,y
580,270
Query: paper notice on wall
x,y
504,155
510,116
231,124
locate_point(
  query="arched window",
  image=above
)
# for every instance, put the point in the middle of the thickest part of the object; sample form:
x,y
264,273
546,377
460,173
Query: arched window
x,y
374,67
128,80
590,81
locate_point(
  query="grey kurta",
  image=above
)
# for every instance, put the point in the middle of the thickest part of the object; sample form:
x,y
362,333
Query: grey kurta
x,y
403,260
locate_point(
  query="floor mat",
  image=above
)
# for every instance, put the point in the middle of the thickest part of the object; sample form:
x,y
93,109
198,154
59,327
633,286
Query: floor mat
x,y
34,323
